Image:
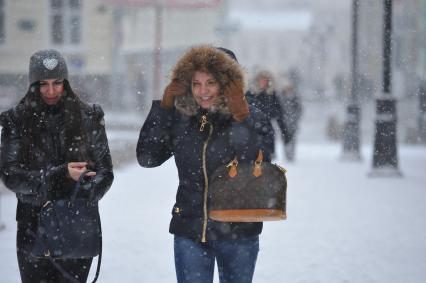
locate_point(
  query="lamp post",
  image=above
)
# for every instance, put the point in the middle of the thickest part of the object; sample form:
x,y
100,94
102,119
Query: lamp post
x,y
351,140
385,159
2,226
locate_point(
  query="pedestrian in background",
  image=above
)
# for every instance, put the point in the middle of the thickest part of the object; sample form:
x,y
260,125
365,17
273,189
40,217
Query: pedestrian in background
x,y
204,121
263,96
48,140
291,113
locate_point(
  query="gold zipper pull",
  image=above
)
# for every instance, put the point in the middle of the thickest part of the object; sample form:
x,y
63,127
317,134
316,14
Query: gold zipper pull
x,y
203,122
46,203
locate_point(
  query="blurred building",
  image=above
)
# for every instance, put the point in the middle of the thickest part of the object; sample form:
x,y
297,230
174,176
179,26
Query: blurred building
x,y
152,35
118,50
269,40
422,41
78,29
309,38
327,52
370,45
110,45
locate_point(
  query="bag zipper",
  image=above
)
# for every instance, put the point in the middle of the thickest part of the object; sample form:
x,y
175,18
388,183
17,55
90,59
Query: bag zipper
x,y
206,178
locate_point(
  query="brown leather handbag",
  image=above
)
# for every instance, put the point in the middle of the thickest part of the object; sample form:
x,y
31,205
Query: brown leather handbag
x,y
248,192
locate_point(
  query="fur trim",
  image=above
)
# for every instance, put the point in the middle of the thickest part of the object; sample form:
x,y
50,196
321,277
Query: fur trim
x,y
210,59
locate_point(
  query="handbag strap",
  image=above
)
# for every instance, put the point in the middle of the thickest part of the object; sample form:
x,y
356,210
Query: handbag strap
x,y
67,275
98,268
77,188
257,171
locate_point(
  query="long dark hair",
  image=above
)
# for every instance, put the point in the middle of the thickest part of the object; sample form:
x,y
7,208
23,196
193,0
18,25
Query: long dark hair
x,y
34,121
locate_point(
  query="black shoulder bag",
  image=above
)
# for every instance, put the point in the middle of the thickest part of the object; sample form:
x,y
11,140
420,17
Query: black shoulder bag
x,y
248,192
69,229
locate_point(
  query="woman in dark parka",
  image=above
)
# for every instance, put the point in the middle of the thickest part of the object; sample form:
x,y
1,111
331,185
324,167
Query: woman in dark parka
x,y
204,121
48,140
263,96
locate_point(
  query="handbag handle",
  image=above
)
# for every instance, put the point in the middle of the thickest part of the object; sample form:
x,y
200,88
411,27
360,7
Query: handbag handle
x,y
76,189
78,185
257,171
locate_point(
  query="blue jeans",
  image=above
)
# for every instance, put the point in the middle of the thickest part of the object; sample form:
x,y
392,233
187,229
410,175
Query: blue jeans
x,y
236,260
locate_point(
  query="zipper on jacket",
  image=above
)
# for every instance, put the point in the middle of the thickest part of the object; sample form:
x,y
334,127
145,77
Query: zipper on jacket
x,y
206,178
203,122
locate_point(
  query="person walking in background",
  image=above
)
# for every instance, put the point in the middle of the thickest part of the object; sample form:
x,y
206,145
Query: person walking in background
x,y
292,111
204,121
263,96
47,141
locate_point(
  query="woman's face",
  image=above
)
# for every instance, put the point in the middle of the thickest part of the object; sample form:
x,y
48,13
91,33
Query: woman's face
x,y
51,90
205,89
263,82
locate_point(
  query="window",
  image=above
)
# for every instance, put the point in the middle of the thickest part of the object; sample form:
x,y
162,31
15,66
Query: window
x,y
65,21
2,22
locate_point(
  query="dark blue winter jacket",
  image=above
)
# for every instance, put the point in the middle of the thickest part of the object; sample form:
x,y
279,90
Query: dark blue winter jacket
x,y
198,149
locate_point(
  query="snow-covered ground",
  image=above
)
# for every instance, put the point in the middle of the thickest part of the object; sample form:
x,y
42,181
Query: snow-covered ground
x,y
342,225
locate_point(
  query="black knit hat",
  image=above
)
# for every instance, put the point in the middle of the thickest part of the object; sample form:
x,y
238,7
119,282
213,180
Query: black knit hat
x,y
47,64
229,52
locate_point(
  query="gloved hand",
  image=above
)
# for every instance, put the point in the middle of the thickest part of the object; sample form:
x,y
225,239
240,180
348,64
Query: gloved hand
x,y
237,103
53,172
175,88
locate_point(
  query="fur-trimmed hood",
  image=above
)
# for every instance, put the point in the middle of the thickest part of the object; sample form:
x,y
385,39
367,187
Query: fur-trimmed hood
x,y
213,60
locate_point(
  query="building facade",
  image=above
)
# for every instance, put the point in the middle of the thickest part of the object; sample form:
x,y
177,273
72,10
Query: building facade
x,y
78,29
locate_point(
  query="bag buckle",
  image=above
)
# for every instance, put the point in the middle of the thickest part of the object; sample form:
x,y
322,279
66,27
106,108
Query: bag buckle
x,y
233,171
257,171
282,169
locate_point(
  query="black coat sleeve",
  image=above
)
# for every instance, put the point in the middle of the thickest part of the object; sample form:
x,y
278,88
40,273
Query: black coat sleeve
x,y
253,133
29,185
154,145
100,156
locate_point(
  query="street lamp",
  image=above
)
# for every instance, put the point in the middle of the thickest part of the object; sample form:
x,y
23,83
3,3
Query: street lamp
x,y
351,131
2,226
385,159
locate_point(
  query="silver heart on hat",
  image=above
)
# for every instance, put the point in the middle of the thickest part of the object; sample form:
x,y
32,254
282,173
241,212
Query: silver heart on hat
x,y
50,63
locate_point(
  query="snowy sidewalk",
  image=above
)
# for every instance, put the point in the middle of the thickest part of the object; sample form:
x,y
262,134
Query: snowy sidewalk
x,y
342,226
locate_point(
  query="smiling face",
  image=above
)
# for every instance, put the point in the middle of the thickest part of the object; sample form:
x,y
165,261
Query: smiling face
x,y
205,89
51,90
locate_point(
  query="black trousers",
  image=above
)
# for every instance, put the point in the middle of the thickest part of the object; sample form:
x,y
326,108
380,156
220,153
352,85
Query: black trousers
x,y
287,133
39,270
44,271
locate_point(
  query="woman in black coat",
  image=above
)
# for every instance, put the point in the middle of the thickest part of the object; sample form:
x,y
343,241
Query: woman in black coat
x,y
48,140
263,96
204,121
292,112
